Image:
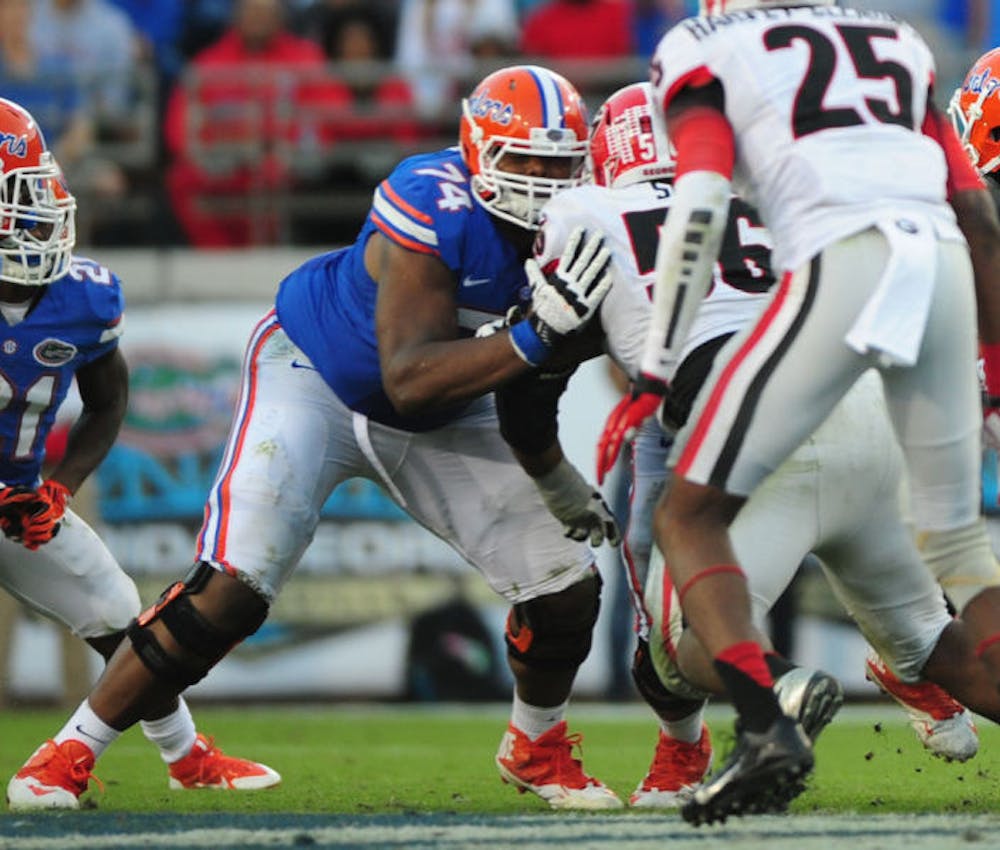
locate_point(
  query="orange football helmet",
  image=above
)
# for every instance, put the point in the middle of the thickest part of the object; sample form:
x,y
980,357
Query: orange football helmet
x,y
628,140
37,211
975,112
529,111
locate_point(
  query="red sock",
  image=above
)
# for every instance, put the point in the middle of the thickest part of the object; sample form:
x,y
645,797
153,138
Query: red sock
x,y
744,672
748,658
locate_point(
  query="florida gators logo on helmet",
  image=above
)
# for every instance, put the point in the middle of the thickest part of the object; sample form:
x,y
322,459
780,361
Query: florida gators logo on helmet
x,y
529,111
975,113
37,211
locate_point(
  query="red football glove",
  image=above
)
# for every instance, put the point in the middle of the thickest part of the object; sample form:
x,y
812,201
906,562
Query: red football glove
x,y
42,523
990,384
16,503
623,422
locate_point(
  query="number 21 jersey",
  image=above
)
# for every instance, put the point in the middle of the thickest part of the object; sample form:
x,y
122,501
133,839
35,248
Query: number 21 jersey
x,y
827,106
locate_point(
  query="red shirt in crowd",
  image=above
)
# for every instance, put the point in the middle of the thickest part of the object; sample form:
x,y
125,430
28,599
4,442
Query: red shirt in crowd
x,y
259,95
563,29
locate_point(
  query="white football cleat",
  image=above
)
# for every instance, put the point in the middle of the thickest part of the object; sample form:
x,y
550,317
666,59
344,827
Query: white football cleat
x,y
943,725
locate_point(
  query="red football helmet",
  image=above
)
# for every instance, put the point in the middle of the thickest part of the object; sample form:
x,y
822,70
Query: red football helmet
x,y
529,111
975,112
37,211
628,140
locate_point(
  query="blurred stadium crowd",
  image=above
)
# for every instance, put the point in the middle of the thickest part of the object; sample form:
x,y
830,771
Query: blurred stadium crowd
x,y
227,123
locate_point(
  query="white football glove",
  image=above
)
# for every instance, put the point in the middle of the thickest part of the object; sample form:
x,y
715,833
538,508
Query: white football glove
x,y
564,300
578,506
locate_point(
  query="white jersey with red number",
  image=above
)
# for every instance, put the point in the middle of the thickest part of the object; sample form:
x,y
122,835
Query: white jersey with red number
x,y
631,219
826,106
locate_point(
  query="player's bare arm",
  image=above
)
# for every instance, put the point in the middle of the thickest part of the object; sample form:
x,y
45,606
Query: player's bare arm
x,y
977,216
103,387
527,408
424,363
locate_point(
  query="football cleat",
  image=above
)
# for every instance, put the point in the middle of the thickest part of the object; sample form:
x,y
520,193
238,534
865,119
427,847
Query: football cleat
x,y
810,696
206,766
943,725
53,778
546,767
763,774
677,767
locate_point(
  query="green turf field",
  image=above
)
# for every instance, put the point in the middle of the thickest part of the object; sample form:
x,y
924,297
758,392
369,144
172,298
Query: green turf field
x,y
368,760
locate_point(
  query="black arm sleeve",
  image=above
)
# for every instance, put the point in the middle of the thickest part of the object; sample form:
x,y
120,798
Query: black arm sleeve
x,y
528,409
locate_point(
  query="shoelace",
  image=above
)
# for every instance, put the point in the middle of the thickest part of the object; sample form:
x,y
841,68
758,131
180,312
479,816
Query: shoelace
x,y
564,765
77,770
677,757
209,762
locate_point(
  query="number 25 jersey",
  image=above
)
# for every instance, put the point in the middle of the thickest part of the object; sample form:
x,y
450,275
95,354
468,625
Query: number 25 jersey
x,y
827,106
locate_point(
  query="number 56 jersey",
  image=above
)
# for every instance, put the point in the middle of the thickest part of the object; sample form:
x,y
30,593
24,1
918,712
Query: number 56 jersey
x,y
827,106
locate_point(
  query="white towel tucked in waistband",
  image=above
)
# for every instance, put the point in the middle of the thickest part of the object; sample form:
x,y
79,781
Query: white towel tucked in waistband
x,y
893,320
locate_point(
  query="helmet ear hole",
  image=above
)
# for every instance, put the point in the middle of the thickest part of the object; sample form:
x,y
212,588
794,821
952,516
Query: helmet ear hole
x,y
995,134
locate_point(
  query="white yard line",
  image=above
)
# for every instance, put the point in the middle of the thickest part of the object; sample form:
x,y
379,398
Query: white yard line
x,y
548,832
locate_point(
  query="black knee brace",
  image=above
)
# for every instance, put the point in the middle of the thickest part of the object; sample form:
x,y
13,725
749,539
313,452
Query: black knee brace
x,y
554,632
203,644
666,704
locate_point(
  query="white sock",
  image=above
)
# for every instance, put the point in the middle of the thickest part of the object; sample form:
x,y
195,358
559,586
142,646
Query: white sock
x,y
86,726
535,721
173,734
686,729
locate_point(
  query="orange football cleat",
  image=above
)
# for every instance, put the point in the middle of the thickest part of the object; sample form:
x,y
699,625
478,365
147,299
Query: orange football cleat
x,y
206,766
546,767
677,765
53,778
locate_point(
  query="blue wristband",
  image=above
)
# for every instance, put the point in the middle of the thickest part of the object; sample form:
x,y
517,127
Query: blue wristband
x,y
528,344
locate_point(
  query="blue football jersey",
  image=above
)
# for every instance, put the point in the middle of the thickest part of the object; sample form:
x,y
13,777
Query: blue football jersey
x,y
327,305
77,320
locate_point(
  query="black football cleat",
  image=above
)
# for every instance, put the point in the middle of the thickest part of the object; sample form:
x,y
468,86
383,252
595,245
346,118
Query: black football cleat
x,y
763,774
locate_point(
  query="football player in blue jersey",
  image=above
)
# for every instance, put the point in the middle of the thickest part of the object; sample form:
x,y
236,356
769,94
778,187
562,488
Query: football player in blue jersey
x,y
369,366
60,319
